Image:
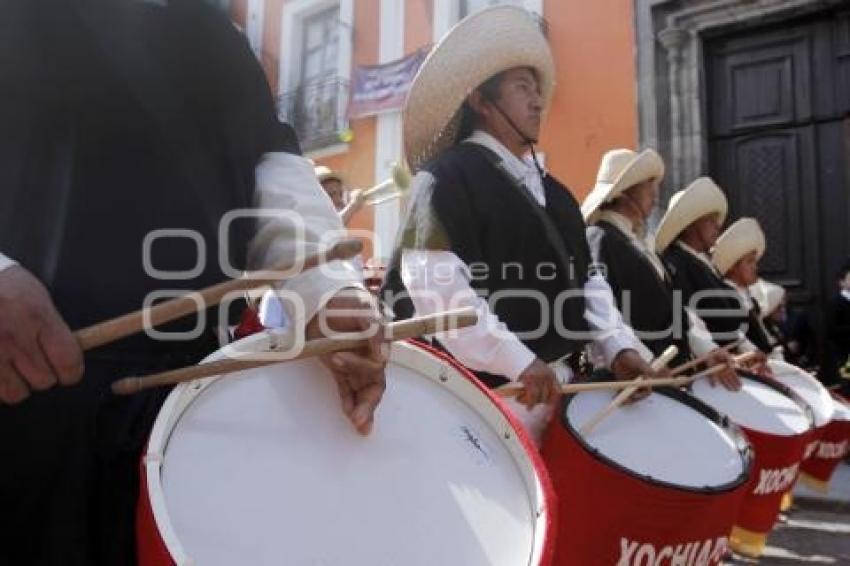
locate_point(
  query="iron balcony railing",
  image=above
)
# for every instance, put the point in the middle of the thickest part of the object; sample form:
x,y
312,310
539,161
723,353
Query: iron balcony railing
x,y
317,111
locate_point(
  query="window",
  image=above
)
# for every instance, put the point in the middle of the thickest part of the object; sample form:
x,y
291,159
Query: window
x,y
449,12
315,63
320,46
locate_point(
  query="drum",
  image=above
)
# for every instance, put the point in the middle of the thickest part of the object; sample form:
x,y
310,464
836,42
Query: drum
x,y
833,447
813,393
816,396
262,467
778,424
656,482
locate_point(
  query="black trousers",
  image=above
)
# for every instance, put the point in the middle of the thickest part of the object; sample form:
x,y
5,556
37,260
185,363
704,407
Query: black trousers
x,y
69,470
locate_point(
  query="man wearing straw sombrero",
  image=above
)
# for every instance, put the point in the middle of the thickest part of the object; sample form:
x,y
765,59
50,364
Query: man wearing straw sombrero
x,y
485,222
617,210
685,235
736,255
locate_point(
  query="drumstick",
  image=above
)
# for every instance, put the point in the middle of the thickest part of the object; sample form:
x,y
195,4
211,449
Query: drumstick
x,y
621,398
680,381
678,370
431,324
131,323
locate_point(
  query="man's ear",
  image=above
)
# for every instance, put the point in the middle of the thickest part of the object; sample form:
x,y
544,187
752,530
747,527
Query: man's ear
x,y
477,102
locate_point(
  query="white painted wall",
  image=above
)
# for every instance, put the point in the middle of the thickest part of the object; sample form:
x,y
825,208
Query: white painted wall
x,y
388,149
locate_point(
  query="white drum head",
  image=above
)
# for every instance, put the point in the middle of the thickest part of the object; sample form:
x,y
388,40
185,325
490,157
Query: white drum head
x,y
841,410
662,438
756,406
806,386
263,468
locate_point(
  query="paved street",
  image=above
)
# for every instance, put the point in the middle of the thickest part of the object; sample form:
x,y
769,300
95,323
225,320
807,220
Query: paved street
x,y
816,531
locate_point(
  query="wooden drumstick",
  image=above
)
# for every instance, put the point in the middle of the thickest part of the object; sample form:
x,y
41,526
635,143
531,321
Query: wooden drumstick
x,y
660,362
678,370
649,383
431,324
131,323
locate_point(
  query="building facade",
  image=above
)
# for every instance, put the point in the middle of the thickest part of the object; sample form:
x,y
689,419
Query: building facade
x,y
755,93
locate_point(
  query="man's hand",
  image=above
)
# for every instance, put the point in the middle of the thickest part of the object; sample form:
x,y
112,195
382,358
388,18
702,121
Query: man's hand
x,y
728,378
359,374
37,349
541,385
758,364
629,365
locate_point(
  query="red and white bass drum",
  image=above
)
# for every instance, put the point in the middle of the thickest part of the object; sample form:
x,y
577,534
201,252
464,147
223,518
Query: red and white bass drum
x,y
262,468
657,482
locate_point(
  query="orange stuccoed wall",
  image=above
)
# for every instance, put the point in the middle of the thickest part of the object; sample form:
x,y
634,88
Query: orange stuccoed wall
x,y
595,104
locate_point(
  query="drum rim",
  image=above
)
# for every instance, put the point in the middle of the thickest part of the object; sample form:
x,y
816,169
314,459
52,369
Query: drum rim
x,y
788,392
815,382
739,439
176,404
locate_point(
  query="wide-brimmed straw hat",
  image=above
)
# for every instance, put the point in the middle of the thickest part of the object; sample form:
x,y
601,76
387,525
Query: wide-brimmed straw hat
x,y
479,46
620,170
323,173
700,198
739,239
768,295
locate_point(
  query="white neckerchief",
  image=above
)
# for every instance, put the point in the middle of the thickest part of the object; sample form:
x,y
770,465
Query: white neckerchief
x,y
523,171
627,227
703,257
846,294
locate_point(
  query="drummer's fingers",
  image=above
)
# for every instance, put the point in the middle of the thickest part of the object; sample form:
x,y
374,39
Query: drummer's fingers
x,y
730,380
346,393
366,401
361,370
13,388
530,394
28,359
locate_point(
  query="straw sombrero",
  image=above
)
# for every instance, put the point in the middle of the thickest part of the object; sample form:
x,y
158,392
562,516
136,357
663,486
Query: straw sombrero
x,y
620,170
700,198
323,173
479,46
739,239
768,295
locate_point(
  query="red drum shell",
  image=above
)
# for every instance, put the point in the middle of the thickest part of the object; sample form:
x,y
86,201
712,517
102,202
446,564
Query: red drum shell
x,y
773,454
775,469
603,506
833,447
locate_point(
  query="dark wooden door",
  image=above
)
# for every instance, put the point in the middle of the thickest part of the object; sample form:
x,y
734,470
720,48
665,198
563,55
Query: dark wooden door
x,y
778,110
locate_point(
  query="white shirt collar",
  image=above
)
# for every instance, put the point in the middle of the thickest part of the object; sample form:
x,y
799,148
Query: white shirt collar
x,y
846,294
524,171
703,257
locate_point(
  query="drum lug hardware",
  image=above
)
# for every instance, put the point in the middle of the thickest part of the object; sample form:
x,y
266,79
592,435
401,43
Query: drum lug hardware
x,y
443,377
507,435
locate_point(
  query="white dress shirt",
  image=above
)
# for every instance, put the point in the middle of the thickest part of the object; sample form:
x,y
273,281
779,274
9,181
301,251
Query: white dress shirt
x,y
438,280
288,182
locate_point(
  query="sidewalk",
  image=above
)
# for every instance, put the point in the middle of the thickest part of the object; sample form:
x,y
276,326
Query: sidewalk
x,y
839,490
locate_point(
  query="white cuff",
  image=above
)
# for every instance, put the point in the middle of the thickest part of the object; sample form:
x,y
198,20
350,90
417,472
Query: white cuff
x,y
511,359
6,262
313,288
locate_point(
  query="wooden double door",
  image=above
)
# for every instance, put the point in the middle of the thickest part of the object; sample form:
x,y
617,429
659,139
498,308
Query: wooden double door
x,y
778,115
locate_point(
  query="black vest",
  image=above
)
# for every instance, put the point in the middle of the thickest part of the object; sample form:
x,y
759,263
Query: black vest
x,y
643,297
702,289
118,122
491,226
